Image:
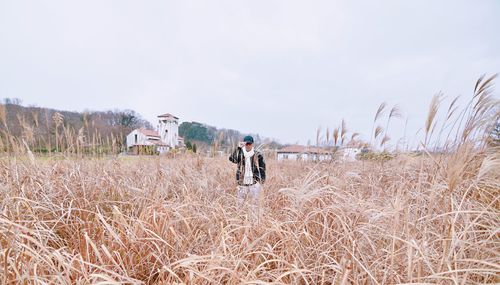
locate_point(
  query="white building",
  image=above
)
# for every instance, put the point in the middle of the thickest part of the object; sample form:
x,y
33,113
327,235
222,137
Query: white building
x,y
299,152
143,141
349,153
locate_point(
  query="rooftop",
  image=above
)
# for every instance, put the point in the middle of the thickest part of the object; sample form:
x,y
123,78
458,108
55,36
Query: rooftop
x,y
149,133
303,149
167,115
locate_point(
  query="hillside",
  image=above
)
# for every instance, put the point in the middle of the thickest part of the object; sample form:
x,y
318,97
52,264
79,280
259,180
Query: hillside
x,y
46,129
49,130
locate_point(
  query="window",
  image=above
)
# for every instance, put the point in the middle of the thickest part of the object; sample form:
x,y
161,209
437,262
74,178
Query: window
x,y
135,138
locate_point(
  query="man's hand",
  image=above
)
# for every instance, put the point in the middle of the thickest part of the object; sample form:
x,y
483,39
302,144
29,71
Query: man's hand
x,y
241,144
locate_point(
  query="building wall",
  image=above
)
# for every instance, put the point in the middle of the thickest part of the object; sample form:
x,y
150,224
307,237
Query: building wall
x,y
350,153
323,157
288,156
141,138
304,156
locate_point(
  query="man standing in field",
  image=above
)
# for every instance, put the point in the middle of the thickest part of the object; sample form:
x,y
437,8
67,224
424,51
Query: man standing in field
x,y
251,171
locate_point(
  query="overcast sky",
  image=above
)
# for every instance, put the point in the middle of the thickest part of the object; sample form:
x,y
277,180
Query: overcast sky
x,y
277,68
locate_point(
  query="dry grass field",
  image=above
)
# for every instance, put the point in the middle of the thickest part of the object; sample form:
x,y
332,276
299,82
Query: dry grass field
x,y
432,218
166,221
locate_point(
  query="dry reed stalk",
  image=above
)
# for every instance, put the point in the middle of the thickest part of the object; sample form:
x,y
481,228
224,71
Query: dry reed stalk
x,y
430,122
378,114
335,136
394,113
343,132
378,131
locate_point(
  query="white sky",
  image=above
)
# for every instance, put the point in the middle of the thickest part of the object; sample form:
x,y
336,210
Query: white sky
x,y
277,68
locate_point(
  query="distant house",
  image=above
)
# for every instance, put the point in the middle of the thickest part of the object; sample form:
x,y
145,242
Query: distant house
x,y
143,141
351,150
299,152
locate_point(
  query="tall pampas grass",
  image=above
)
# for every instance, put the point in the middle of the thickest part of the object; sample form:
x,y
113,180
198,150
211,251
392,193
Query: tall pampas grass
x,y
394,113
378,114
343,132
430,122
335,136
378,131
162,221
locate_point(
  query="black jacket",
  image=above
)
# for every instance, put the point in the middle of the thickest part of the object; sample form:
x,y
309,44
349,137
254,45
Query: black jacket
x,y
258,166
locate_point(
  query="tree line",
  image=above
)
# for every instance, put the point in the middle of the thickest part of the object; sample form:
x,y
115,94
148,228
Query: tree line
x,y
47,130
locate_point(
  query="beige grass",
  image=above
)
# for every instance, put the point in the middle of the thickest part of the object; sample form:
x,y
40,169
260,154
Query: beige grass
x,y
164,221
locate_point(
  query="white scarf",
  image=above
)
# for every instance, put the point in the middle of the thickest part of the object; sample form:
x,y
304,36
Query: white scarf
x,y
248,178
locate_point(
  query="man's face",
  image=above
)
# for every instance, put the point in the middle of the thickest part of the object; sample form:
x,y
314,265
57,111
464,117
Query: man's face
x,y
248,146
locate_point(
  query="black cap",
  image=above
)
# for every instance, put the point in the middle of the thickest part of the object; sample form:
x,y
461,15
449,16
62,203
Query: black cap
x,y
248,139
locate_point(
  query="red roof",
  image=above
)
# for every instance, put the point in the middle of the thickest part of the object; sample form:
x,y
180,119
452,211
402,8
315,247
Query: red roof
x,y
318,150
149,133
293,149
167,115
